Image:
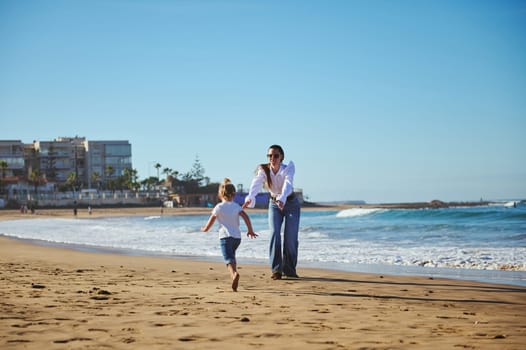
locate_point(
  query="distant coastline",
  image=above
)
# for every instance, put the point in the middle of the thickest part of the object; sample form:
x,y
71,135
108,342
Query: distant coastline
x,y
434,204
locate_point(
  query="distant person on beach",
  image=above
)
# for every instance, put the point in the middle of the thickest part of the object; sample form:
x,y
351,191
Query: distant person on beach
x,y
283,207
227,213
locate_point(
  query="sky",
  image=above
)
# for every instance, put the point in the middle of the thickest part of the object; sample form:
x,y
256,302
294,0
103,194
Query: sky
x,y
379,100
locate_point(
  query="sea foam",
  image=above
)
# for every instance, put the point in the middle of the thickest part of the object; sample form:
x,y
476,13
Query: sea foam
x,y
353,212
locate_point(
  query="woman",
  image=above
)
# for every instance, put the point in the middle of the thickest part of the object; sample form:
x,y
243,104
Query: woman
x,y
283,207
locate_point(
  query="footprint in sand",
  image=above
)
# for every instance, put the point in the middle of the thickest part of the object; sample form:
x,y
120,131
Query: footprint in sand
x,y
65,341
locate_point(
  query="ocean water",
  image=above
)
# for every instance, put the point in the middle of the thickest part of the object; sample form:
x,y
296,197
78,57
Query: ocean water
x,y
475,243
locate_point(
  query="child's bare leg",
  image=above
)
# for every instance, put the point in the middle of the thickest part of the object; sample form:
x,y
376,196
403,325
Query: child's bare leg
x,y
235,276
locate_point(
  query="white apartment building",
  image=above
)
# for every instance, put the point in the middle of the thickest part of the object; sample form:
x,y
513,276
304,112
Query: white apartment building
x,y
54,161
12,155
59,158
107,159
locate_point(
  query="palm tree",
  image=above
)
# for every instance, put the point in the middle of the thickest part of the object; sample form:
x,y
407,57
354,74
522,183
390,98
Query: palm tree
x,y
148,183
109,174
3,166
110,171
167,172
95,178
157,166
171,177
35,178
72,180
130,178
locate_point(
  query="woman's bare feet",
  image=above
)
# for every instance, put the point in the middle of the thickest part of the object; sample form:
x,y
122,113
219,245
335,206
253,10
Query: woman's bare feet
x,y
235,281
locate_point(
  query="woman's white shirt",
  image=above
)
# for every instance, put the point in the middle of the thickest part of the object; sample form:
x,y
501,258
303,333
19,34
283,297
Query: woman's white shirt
x,y
282,183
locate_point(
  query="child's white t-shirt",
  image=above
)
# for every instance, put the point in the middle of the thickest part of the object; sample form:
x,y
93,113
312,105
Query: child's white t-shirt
x,y
227,214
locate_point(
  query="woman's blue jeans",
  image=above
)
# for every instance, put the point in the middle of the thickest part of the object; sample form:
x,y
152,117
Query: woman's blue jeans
x,y
284,263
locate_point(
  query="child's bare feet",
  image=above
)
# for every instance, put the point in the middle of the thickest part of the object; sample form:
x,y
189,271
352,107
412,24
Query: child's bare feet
x,y
235,281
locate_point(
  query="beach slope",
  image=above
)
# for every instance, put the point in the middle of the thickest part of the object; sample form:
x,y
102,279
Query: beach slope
x,y
54,298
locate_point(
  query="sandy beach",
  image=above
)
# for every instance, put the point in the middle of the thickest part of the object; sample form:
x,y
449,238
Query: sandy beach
x,y
55,298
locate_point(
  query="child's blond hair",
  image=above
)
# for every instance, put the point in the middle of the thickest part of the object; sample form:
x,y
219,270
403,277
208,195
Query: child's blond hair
x,y
227,190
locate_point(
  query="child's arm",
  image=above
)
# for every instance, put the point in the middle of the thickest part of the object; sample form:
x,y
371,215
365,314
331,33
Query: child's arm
x,y
209,224
250,232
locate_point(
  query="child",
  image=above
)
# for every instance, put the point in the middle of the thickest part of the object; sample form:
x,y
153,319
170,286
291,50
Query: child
x,y
227,213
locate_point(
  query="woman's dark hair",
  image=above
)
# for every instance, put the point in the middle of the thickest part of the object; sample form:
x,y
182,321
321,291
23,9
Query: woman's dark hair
x,y
266,166
279,149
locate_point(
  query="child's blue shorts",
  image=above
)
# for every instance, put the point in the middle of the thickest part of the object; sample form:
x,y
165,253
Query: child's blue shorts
x,y
228,248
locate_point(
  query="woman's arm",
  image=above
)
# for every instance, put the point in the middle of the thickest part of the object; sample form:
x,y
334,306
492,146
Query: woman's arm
x,y
288,184
255,187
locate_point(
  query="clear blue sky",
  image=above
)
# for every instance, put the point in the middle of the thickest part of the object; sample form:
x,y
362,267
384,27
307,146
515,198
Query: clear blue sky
x,y
384,101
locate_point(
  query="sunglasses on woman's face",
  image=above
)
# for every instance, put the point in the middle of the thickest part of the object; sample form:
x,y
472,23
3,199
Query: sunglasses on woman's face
x,y
273,155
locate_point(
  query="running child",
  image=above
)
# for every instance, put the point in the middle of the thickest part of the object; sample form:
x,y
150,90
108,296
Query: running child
x,y
227,213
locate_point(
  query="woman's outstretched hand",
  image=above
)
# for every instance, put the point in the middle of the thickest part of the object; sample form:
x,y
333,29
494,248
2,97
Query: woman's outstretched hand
x,y
246,204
